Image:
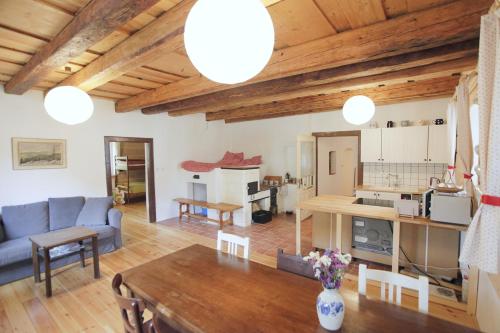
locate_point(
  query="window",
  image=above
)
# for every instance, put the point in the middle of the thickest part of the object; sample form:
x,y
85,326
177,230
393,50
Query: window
x,y
332,158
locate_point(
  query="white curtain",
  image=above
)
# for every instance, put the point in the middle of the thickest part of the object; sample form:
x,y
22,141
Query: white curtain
x,y
452,130
451,116
464,139
482,243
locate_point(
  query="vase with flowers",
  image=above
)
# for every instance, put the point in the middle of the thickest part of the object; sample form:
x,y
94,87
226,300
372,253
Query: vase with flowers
x,y
329,269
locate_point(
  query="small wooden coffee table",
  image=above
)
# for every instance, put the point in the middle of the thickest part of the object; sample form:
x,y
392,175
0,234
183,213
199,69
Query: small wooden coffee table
x,y
46,242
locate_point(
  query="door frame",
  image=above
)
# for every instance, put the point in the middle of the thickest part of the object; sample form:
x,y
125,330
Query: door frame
x,y
150,172
339,134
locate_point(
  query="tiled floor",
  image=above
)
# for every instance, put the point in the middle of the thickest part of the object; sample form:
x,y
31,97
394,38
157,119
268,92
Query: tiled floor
x,y
264,238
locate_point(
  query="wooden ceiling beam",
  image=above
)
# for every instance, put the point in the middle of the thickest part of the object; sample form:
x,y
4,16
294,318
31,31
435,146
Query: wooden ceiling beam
x,y
432,71
318,82
165,34
441,25
438,87
93,23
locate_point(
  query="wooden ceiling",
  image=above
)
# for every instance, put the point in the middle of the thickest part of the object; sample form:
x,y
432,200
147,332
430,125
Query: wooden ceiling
x,y
132,51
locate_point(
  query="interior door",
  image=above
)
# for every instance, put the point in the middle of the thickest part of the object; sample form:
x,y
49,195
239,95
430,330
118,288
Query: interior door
x,y
306,169
337,165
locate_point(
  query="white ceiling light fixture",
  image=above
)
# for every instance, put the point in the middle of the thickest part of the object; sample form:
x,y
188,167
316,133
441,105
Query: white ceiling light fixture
x,y
229,41
69,105
358,110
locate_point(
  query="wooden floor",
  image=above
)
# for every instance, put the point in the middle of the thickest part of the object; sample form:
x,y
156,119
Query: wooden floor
x,y
82,304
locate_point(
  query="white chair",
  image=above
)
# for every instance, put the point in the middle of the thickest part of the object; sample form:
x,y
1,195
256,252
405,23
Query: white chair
x,y
394,279
232,243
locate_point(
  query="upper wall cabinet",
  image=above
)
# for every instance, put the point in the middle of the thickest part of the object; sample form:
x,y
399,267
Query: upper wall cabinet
x,y
371,145
438,149
404,144
415,144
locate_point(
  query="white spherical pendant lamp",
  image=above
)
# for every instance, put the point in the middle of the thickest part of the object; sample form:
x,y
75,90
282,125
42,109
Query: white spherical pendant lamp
x,y
69,105
229,41
358,110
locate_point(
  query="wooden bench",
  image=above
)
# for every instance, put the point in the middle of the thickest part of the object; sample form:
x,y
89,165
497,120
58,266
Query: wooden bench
x,y
220,207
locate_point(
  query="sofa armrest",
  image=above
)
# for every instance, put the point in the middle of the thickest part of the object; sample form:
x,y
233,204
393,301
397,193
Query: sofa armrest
x,y
2,231
115,220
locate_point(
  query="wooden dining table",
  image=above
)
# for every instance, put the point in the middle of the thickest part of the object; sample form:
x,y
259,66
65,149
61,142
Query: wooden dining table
x,y
199,289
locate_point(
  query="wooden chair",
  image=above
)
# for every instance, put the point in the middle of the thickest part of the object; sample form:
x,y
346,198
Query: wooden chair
x,y
132,310
394,279
294,264
232,243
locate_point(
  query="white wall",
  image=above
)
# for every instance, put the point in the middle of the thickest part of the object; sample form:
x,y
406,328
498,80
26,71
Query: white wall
x,y
175,139
270,137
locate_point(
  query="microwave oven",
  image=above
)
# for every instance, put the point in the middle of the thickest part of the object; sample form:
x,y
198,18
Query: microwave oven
x,y
451,208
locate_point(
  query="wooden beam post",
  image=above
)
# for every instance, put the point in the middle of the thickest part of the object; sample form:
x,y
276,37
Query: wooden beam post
x,y
94,22
298,221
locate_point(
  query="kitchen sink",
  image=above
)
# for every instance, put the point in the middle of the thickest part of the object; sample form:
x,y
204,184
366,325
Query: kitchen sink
x,y
374,202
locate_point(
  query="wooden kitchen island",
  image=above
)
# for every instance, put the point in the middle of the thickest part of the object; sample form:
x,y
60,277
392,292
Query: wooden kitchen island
x,y
342,206
338,206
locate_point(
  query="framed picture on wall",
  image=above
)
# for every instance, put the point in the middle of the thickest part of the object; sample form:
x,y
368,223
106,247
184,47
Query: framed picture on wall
x,y
38,153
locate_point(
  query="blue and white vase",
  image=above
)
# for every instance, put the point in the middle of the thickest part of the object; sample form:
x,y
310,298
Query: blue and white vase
x,y
330,308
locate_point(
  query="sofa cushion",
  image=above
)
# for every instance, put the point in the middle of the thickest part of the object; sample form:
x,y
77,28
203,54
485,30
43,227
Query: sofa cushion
x,y
25,220
63,212
95,211
15,250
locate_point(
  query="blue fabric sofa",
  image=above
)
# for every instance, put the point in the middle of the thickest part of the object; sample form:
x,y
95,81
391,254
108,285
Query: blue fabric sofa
x,y
19,222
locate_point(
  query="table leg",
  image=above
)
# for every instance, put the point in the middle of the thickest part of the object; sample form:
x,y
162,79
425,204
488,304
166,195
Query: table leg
x,y
473,285
338,232
82,254
95,254
231,217
48,278
180,211
297,230
395,246
36,262
221,219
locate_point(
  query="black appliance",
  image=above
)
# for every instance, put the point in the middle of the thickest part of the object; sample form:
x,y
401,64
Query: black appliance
x,y
372,235
262,216
274,200
253,187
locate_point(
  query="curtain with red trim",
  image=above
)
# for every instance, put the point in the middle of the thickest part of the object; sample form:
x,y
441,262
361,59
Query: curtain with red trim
x,y
482,243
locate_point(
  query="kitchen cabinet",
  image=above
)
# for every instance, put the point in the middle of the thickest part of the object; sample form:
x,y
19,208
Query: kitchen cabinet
x,y
414,144
379,195
371,145
438,148
404,144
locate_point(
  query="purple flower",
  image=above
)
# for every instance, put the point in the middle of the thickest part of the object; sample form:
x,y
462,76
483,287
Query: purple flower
x,y
329,268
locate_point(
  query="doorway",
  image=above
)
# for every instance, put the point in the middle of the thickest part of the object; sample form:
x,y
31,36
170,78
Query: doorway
x,y
130,174
339,169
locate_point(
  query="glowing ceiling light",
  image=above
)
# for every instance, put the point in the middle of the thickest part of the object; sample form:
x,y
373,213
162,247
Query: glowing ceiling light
x,y
229,41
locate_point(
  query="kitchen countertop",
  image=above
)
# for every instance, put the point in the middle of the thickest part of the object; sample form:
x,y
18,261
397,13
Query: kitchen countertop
x,y
402,189
338,204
